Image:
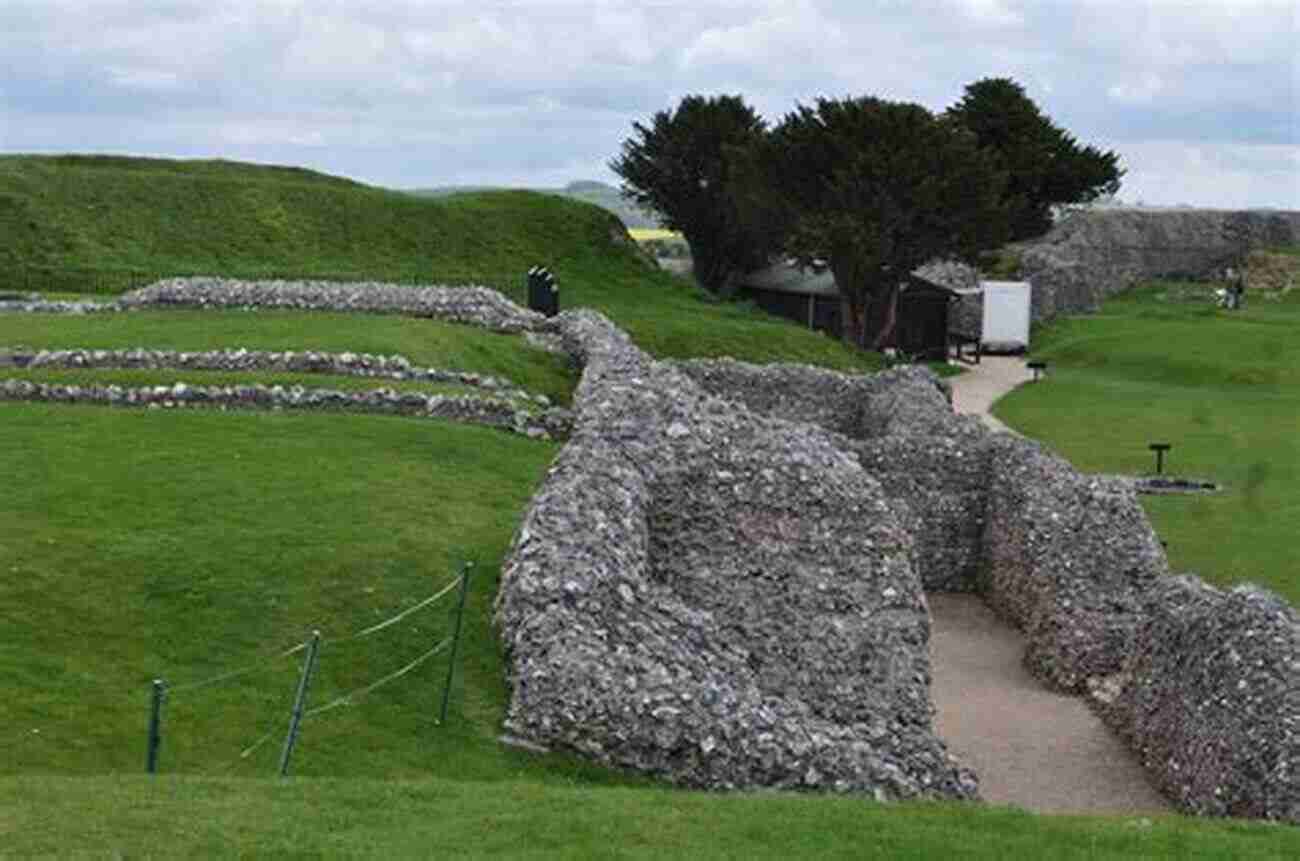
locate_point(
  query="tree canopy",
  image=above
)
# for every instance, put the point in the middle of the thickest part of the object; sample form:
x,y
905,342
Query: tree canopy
x,y
874,189
684,164
1045,165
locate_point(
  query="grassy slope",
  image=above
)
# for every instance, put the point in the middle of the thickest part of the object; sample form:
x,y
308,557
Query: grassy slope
x,y
242,220
137,544
425,342
1223,388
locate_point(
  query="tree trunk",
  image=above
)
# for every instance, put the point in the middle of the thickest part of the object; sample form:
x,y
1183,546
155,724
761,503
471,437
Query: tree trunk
x,y
711,271
853,319
882,317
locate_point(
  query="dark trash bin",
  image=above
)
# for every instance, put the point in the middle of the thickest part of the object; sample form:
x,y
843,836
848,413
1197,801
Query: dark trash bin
x,y
543,292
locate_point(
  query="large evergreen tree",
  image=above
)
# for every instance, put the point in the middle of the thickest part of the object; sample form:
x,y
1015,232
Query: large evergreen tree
x,y
684,165
875,189
1045,165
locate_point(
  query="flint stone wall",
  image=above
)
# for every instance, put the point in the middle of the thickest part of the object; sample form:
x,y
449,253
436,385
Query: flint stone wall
x,y
479,306
473,305
719,537
493,412
718,597
1091,255
902,431
1069,560
1210,699
313,362
34,303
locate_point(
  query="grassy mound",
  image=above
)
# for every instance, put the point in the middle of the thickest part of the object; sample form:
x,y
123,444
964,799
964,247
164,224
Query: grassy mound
x,y
101,223
1163,364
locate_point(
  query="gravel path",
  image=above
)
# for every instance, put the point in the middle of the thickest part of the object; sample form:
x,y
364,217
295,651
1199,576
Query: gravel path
x,y
975,391
1031,747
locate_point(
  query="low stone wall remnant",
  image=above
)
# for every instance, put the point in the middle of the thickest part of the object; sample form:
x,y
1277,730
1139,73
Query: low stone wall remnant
x,y
1069,559
1210,699
473,305
307,361
492,412
479,306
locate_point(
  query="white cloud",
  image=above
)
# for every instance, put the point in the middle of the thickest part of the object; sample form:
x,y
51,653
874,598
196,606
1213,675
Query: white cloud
x,y
1139,92
1214,175
994,13
144,78
419,92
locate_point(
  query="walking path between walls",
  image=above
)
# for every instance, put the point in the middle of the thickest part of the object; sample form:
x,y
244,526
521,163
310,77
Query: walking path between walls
x,y
1031,747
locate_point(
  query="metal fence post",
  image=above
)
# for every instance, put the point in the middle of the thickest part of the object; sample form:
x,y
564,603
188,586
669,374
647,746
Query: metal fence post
x,y
455,641
308,664
155,726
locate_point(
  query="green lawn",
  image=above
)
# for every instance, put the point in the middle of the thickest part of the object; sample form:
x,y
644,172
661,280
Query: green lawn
x,y
427,343
252,221
1222,387
121,816
183,545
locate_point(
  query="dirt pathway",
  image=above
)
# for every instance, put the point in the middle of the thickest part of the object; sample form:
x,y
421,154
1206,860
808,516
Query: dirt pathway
x,y
1031,747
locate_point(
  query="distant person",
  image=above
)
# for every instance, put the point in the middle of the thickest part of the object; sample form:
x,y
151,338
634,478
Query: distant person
x,y
1236,287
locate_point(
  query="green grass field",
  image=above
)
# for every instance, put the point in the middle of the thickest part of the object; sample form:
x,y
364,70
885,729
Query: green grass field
x,y
1222,387
187,544
88,217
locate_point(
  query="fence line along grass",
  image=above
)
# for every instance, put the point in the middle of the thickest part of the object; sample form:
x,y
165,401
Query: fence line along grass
x,y
1222,387
143,544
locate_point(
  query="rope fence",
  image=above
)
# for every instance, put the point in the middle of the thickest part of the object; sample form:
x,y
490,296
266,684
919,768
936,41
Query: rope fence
x,y
161,692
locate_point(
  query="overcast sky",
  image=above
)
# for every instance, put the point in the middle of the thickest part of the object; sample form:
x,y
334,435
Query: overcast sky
x,y
1199,97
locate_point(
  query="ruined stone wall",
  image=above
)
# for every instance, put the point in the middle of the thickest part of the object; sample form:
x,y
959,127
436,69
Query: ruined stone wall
x,y
715,596
1069,559
1210,699
721,582
1095,254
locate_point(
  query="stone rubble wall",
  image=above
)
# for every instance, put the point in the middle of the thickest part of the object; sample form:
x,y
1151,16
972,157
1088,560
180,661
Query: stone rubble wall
x,y
688,544
314,362
1210,699
34,303
941,476
1094,254
717,597
856,406
1069,559
492,412
477,306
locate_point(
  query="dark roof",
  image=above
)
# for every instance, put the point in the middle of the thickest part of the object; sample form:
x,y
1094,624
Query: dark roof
x,y
788,277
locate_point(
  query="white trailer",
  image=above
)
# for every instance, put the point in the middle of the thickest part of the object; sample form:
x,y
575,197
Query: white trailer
x,y
1006,316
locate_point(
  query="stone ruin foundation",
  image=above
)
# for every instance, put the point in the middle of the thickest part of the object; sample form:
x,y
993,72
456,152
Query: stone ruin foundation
x,y
721,581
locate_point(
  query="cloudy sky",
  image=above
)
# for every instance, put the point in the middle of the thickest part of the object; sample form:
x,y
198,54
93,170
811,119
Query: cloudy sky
x,y
1200,97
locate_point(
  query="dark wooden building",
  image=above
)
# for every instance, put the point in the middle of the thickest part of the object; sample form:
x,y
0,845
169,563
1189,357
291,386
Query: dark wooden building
x,y
809,297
